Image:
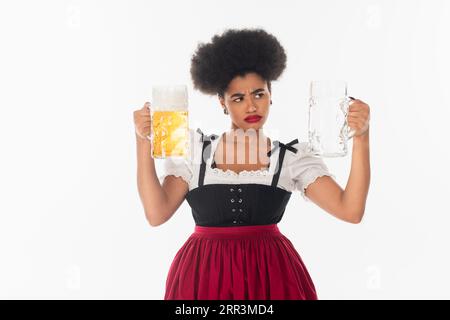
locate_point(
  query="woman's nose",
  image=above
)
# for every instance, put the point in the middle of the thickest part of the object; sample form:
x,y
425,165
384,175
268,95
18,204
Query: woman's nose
x,y
250,104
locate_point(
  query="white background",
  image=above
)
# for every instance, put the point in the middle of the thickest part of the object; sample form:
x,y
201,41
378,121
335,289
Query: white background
x,y
72,73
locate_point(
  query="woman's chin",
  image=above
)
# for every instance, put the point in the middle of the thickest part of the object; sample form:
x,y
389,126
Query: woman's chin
x,y
253,125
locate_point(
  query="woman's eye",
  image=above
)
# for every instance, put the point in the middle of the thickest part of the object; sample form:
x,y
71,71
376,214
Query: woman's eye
x,y
240,99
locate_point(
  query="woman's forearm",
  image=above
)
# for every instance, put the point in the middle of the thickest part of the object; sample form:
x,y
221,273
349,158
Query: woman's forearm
x,y
355,193
152,194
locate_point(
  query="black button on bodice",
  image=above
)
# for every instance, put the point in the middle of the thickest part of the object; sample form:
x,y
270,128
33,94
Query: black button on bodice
x,y
237,218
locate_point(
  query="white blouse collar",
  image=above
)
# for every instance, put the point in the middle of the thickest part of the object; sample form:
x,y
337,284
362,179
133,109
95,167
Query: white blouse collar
x,y
274,151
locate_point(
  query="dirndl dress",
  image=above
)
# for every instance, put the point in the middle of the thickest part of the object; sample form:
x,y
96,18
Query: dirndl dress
x,y
236,251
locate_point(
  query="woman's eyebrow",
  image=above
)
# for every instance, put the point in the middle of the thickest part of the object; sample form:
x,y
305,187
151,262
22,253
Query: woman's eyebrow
x,y
241,94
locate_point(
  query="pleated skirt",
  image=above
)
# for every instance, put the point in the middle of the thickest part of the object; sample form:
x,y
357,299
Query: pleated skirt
x,y
238,263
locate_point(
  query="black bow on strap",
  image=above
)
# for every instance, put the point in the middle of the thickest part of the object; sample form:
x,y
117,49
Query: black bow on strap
x,y
287,146
206,137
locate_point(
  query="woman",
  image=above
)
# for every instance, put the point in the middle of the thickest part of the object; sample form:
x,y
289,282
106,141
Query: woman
x,y
236,250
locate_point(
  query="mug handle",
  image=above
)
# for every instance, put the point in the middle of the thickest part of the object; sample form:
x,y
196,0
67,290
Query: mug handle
x,y
351,133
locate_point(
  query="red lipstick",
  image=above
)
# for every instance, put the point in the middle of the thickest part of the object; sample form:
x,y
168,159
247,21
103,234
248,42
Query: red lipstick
x,y
253,119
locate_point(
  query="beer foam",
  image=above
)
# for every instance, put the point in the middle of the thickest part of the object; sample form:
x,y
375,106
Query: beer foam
x,y
169,97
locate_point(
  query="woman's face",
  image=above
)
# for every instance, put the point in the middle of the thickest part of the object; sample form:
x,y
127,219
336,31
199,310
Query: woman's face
x,y
246,98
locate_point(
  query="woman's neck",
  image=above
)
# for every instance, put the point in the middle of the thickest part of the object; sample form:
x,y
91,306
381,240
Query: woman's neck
x,y
244,135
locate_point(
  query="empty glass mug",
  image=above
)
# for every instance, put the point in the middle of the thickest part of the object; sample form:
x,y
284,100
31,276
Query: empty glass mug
x,y
169,117
328,130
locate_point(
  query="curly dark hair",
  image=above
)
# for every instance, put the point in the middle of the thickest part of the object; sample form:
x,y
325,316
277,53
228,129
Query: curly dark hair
x,y
236,52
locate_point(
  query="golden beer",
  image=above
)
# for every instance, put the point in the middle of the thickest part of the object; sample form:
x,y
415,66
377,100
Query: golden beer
x,y
170,134
169,117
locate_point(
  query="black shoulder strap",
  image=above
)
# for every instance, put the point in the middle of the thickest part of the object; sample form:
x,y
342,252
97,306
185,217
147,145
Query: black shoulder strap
x,y
206,153
283,147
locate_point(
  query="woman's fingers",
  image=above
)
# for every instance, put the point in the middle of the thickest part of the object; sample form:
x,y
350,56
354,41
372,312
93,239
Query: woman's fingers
x,y
142,121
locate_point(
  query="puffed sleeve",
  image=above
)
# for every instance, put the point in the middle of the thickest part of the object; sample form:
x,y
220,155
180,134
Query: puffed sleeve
x,y
178,168
306,168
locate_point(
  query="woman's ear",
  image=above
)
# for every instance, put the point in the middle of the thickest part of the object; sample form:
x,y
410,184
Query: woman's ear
x,y
222,104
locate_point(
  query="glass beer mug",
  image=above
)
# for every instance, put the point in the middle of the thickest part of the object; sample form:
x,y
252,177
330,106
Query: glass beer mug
x,y
169,118
328,130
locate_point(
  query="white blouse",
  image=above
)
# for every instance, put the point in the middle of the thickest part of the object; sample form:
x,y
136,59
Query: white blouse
x,y
298,171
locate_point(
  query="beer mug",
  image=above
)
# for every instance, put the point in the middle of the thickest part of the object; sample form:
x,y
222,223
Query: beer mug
x,y
169,118
328,130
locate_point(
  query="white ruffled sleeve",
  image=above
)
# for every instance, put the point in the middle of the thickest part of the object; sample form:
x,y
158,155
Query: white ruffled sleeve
x,y
178,168
306,168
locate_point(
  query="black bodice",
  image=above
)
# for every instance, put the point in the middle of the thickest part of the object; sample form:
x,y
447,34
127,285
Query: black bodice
x,y
222,205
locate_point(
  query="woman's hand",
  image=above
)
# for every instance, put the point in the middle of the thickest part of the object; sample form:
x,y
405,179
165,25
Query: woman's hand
x,y
358,117
142,122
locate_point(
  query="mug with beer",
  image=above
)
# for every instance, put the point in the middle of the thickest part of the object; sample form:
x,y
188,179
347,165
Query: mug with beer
x,y
169,120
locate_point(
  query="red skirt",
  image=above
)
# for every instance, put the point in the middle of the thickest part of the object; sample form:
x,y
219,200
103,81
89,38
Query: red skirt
x,y
238,263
